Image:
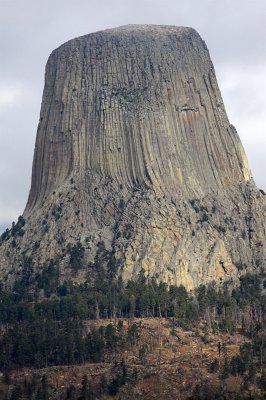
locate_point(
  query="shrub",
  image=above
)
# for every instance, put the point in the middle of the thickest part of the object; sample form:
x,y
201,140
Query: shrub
x,y
76,255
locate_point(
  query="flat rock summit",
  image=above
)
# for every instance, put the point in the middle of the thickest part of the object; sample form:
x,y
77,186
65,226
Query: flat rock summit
x,y
137,169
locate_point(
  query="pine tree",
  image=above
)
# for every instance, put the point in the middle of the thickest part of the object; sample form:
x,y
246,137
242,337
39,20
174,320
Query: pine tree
x,y
86,389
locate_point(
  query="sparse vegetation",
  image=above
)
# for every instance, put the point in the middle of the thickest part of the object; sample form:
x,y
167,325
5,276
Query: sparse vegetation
x,y
57,212
221,229
204,217
76,255
15,231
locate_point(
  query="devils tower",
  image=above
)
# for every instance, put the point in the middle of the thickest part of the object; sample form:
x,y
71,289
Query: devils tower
x,y
136,167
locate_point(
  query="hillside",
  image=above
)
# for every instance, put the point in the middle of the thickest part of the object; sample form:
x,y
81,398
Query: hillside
x,y
210,346
160,361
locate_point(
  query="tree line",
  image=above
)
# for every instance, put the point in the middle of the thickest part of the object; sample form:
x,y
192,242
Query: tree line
x,y
51,331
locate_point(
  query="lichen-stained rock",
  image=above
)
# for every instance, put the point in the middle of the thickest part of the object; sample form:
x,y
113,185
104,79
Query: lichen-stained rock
x,y
135,159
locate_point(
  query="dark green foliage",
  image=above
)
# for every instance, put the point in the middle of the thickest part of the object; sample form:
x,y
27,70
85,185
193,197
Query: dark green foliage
x,y
70,392
243,235
46,227
15,231
141,298
262,380
113,387
105,263
110,337
16,393
239,266
121,204
51,332
205,392
46,342
86,390
24,280
246,354
225,371
204,217
119,379
76,255
194,204
95,344
6,377
214,367
5,235
237,365
220,228
120,326
133,333
182,306
57,212
30,387
252,370
37,388
102,386
142,352
42,393
65,289
48,279
250,288
36,246
128,231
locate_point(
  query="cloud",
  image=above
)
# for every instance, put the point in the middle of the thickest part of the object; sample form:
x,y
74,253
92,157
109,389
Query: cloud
x,y
244,92
8,96
7,214
234,31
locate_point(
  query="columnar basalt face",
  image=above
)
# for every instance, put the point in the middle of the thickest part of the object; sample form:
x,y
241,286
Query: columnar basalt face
x,y
136,160
138,104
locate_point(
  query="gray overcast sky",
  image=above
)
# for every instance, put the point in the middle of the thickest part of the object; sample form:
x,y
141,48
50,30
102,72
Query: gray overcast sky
x,y
235,33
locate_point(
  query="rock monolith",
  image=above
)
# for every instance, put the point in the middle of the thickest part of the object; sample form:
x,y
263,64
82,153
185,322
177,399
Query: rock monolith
x,y
136,166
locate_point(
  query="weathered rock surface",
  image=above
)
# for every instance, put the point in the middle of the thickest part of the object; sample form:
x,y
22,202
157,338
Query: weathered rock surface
x,y
135,159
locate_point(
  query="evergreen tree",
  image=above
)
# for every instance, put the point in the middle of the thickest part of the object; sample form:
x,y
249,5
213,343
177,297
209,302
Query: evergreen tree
x,y
86,389
42,393
262,380
70,392
16,393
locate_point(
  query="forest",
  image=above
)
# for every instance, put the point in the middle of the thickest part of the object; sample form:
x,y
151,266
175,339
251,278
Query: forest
x,y
40,332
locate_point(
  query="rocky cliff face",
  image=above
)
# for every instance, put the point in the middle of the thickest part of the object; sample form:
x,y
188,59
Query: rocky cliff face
x,y
136,166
